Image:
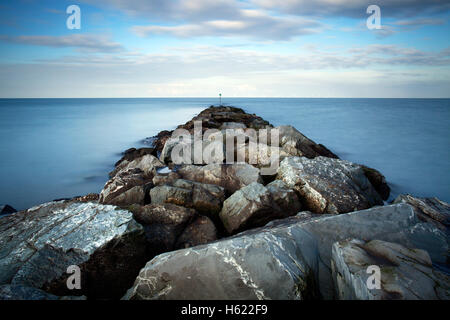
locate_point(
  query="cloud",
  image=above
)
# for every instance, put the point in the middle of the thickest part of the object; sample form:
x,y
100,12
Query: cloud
x,y
82,42
175,10
420,22
252,24
356,8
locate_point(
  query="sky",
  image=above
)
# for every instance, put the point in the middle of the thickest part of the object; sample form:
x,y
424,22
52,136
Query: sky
x,y
198,48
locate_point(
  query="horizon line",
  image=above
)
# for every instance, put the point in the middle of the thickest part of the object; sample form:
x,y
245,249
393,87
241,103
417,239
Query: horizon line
x,y
17,98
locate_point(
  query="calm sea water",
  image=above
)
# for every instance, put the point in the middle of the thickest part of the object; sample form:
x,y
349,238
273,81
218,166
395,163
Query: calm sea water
x,y
56,148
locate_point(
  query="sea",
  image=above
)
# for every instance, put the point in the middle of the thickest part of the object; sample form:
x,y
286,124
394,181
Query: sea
x,y
61,148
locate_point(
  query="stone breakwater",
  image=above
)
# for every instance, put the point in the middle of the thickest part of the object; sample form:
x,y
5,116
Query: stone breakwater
x,y
163,230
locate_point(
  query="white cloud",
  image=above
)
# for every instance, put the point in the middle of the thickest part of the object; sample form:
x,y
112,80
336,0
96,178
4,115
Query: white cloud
x,y
82,42
355,8
254,24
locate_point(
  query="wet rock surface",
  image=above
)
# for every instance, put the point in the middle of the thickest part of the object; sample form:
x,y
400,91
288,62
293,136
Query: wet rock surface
x,y
405,273
38,245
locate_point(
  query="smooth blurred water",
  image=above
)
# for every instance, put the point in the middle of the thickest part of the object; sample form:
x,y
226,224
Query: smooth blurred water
x,y
56,148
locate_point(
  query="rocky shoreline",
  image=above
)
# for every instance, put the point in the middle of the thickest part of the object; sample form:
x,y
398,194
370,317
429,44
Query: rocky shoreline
x,y
161,230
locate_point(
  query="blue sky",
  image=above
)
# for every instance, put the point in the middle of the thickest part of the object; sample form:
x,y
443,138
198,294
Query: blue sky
x,y
198,48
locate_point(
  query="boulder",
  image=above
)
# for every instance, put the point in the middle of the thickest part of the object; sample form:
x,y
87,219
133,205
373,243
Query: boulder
x,y
286,259
18,292
231,177
121,183
328,185
39,244
430,210
200,231
133,153
296,144
163,224
285,197
147,163
207,199
251,206
255,205
405,273
378,181
261,265
6,209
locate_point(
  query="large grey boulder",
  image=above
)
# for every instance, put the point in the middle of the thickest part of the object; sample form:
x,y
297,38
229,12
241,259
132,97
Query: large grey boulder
x,y
286,259
38,245
404,273
329,185
258,265
251,206
255,205
231,177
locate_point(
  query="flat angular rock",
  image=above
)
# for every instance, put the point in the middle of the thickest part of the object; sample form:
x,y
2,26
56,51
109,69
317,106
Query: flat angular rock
x,y
328,185
287,259
405,273
430,210
251,206
255,205
38,245
231,177
200,231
